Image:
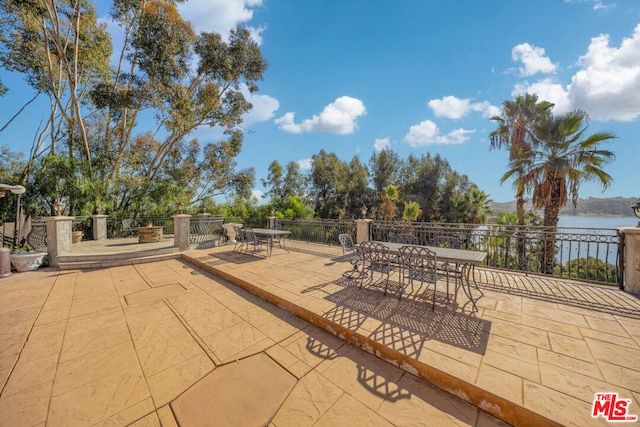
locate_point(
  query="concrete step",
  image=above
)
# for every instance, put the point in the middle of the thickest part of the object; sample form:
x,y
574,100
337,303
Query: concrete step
x,y
83,261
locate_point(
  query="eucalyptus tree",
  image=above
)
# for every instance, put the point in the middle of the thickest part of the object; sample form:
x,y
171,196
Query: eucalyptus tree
x,y
284,182
516,124
339,189
275,182
188,81
62,51
563,158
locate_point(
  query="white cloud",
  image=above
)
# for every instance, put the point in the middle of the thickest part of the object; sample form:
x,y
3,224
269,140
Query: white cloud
x,y
287,123
427,133
305,164
450,107
546,90
533,60
338,117
219,16
257,194
608,85
381,144
597,4
453,107
264,107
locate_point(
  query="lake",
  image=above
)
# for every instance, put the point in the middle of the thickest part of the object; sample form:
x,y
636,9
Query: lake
x,y
605,251
597,221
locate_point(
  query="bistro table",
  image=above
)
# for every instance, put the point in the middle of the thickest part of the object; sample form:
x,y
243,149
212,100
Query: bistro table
x,y
272,234
462,259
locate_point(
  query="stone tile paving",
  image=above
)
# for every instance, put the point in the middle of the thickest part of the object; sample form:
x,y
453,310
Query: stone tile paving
x,y
120,346
546,356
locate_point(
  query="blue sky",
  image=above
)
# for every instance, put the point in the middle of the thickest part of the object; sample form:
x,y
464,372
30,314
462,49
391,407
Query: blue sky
x,y
420,76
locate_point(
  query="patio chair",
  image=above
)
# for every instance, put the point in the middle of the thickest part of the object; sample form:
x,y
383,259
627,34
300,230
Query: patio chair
x,y
351,254
445,242
251,241
406,239
240,240
419,264
376,258
129,227
447,269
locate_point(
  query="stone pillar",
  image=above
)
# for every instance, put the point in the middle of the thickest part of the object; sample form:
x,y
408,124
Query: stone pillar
x,y
631,259
362,230
99,226
271,224
58,237
181,226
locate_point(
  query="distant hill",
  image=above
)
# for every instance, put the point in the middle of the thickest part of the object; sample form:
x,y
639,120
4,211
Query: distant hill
x,y
618,206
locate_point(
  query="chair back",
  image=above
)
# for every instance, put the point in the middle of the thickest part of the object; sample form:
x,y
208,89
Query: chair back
x,y
407,239
445,242
249,235
239,233
346,242
375,253
418,259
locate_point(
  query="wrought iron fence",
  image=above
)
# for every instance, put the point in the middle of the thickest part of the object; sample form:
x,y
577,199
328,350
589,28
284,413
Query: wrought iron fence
x,y
585,254
205,228
83,224
128,227
318,230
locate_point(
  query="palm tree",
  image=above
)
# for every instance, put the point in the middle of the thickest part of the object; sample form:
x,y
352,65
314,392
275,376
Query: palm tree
x,y
516,125
388,206
564,157
477,202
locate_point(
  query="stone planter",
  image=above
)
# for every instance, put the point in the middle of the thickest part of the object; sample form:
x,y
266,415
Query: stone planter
x,y
76,236
149,234
231,232
27,261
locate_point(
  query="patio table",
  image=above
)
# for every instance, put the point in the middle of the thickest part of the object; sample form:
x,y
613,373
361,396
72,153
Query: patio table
x,y
463,259
271,235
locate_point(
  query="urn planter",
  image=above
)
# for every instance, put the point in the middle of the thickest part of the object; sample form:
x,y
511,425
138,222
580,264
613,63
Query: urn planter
x,y
27,261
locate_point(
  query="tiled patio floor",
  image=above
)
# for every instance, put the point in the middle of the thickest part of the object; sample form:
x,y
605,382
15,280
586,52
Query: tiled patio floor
x,y
122,345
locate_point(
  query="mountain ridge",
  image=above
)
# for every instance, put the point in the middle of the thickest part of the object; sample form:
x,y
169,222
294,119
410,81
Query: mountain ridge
x,y
614,206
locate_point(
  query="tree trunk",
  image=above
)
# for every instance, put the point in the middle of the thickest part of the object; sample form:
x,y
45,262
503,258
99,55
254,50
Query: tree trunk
x,y
520,235
551,213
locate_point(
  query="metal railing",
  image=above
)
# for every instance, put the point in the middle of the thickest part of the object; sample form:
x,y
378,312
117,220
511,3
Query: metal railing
x,y
205,228
318,230
83,224
585,254
128,227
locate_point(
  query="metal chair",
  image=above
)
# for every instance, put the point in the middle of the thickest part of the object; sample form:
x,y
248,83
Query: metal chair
x,y
351,254
445,242
418,263
251,240
406,239
449,270
376,259
240,240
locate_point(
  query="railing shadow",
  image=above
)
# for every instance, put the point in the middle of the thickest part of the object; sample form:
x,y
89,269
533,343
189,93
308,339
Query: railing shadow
x,y
602,298
230,256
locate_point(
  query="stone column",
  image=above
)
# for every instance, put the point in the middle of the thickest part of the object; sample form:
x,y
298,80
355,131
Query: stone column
x,y
99,226
271,224
58,237
181,226
631,259
362,230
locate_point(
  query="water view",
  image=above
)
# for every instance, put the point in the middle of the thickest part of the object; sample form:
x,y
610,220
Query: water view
x,y
597,221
